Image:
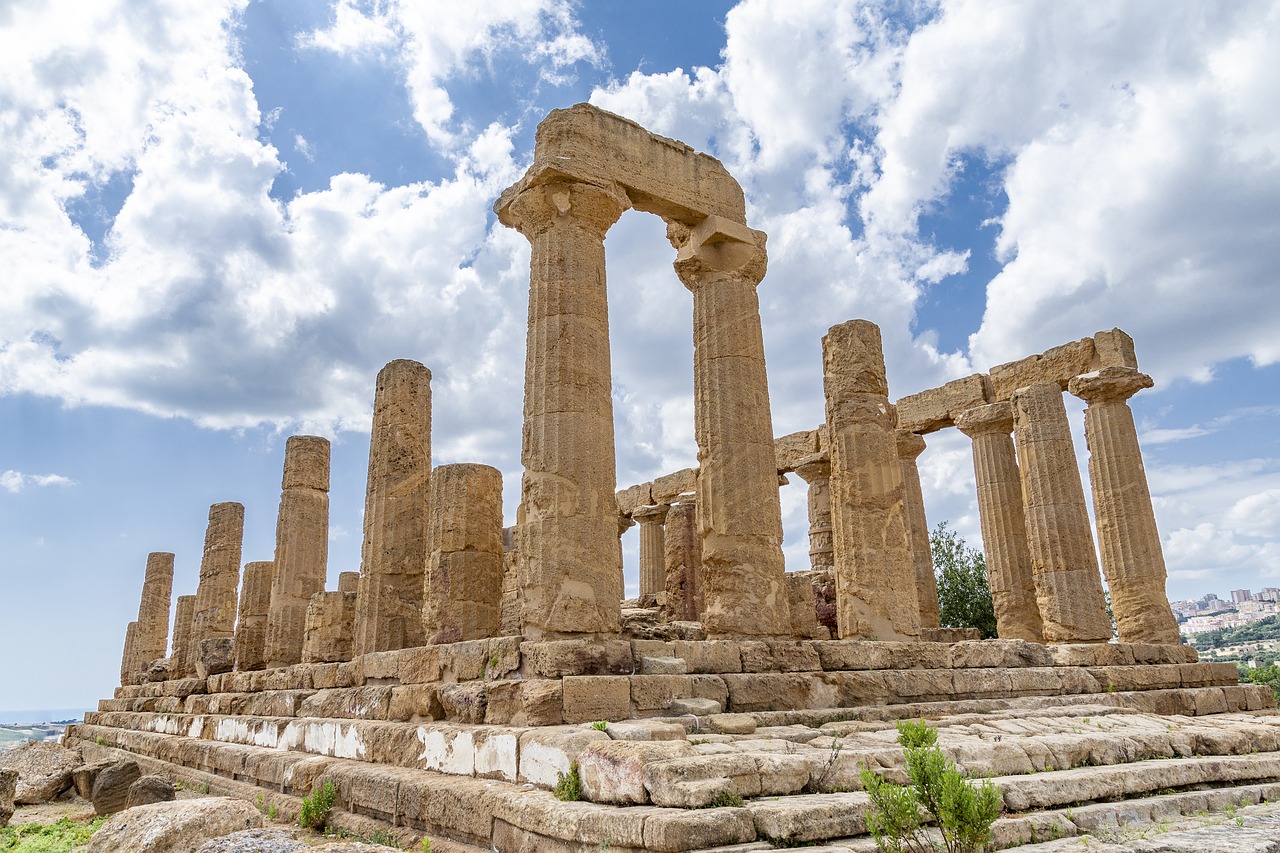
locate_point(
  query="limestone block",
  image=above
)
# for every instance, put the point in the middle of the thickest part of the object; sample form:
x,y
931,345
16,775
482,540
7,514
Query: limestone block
x,y
44,770
151,640
1114,348
504,705
790,449
415,703
663,666
419,666
816,817
464,703
542,701
8,782
695,781
546,752
214,656
766,691
932,410
463,592
778,656
650,693
557,658
645,730
632,497
694,706
110,792
1057,365
328,636
673,831
588,698
251,626
214,616
360,703
184,825
855,688
804,609
669,487
613,771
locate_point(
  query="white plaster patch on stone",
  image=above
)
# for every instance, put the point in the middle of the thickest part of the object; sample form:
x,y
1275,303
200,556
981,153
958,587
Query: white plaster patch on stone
x,y
540,762
292,736
433,746
498,755
197,726
335,739
447,751
268,735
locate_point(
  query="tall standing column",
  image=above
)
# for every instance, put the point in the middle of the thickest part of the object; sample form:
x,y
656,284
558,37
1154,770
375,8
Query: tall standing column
x,y
1130,543
389,606
463,589
739,511
683,560
149,638
181,660
815,470
302,546
215,612
1004,529
875,573
570,557
910,446
129,658
1064,564
653,549
251,626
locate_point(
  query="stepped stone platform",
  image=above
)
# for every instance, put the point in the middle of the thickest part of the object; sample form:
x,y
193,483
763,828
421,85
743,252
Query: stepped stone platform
x,y
463,742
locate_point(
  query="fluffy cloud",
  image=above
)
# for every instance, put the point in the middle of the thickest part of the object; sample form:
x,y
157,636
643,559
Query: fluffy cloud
x,y
16,481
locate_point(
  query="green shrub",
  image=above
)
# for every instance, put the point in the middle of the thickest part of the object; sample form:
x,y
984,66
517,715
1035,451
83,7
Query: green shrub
x,y
569,785
938,793
59,837
316,807
725,800
600,725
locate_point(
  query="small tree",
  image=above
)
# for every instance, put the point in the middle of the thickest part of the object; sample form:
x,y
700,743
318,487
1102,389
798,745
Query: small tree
x,y
964,598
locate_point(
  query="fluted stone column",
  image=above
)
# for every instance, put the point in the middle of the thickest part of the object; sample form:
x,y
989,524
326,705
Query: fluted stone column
x,y
302,546
910,446
463,592
251,626
683,548
739,512
1004,529
1129,541
389,609
181,659
875,574
129,657
570,557
815,470
148,638
1064,564
327,632
215,613
653,549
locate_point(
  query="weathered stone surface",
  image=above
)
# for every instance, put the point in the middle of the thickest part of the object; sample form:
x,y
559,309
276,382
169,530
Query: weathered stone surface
x,y
588,698
82,777
8,784
790,449
251,626
815,470
910,446
394,554
653,571
557,658
634,497
463,591
302,546
328,635
1057,365
44,771
149,789
683,561
694,782
182,661
174,827
546,752
1114,348
110,792
152,634
669,487
215,656
936,408
816,817
214,616
613,771
875,574
254,841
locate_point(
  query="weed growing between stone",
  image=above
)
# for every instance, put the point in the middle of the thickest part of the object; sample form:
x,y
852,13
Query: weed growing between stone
x,y
569,785
316,807
938,792
59,837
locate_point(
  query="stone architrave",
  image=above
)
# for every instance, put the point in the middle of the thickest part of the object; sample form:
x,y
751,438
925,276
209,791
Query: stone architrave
x,y
739,512
815,470
683,548
1064,564
653,569
570,557
463,588
251,626
1004,529
182,657
389,609
302,546
1132,558
910,446
215,614
875,573
327,634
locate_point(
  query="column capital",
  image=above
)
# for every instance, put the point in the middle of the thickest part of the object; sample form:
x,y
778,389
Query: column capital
x,y
815,466
1110,384
624,524
655,514
910,444
563,202
716,249
980,420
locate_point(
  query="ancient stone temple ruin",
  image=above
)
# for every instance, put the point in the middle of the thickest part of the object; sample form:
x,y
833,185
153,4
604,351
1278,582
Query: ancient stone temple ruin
x,y
467,668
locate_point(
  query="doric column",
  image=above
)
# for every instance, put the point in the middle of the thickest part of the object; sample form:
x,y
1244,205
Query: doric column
x,y
181,659
463,590
394,554
815,470
875,574
653,549
571,561
151,638
910,446
327,632
215,614
1064,564
1004,530
1130,543
739,512
129,657
683,548
251,626
302,546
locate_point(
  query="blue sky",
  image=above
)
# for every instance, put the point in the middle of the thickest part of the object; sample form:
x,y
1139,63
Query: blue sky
x,y
218,220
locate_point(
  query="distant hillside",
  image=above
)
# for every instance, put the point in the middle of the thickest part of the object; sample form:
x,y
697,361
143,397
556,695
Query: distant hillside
x,y
1254,632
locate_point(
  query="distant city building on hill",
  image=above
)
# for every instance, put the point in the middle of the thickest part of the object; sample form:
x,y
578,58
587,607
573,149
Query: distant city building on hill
x,y
1239,595
1268,593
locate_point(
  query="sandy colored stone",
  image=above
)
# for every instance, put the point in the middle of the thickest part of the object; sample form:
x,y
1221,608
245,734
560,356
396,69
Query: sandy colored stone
x,y
875,573
1128,540
588,698
328,636
1004,530
110,792
1057,365
790,449
936,408
182,659
803,608
613,771
653,571
251,626
1114,348
669,487
129,657
463,582
44,770
633,497
151,637
910,446
302,546
349,582
1064,564
393,556
683,561
214,617
171,827
8,783
815,470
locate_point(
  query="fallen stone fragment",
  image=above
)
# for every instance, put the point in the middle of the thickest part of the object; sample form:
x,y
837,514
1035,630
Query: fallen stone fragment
x,y
110,792
44,771
149,789
8,782
254,841
175,827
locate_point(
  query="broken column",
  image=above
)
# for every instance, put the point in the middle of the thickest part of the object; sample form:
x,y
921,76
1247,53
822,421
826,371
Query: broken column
x,y
251,626
148,638
653,570
875,573
570,557
683,560
389,609
1004,530
129,658
214,618
1132,558
181,658
327,635
463,589
815,470
739,513
302,546
910,446
1064,564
